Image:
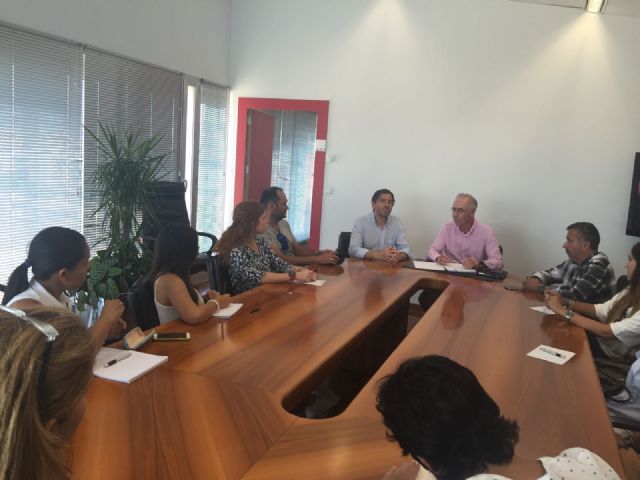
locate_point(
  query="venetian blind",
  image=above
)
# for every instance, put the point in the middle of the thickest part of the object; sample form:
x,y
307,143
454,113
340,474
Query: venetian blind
x,y
294,140
214,119
40,139
124,93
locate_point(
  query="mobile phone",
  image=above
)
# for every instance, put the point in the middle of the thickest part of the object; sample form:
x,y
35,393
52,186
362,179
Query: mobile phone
x,y
172,337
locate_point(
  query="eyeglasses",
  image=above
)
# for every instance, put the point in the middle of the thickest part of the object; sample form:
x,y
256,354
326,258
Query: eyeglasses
x,y
48,331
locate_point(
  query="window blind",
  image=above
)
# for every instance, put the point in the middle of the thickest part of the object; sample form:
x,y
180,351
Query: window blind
x,y
128,94
294,140
40,139
214,120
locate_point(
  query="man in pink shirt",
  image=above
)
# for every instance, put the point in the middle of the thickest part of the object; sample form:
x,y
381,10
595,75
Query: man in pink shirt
x,y
466,240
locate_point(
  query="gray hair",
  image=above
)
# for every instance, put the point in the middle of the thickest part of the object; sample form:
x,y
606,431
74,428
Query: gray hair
x,y
470,197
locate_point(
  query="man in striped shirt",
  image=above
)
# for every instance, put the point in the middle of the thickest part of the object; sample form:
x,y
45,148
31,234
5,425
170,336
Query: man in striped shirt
x,y
587,275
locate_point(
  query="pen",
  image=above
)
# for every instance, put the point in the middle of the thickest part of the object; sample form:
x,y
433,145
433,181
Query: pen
x,y
117,359
551,352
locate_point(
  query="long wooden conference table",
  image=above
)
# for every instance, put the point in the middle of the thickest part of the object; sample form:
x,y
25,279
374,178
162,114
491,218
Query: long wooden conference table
x,y
219,408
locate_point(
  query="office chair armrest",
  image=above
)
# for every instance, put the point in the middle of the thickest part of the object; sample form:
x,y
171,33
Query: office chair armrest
x,y
213,239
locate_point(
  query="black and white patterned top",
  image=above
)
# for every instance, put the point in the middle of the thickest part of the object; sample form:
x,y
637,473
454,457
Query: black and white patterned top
x,y
246,267
592,281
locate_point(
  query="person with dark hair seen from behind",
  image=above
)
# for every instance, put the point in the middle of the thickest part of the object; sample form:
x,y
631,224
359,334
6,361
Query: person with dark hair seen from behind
x,y
280,237
59,260
617,324
379,235
176,248
587,276
248,259
46,364
439,414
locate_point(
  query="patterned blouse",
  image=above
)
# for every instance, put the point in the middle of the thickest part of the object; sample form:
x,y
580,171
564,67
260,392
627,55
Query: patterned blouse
x,y
246,267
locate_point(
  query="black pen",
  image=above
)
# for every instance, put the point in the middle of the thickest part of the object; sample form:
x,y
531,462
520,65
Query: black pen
x,y
117,359
551,352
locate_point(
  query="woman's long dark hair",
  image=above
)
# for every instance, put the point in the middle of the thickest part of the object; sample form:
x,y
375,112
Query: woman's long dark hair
x,y
437,410
51,250
632,297
245,219
175,250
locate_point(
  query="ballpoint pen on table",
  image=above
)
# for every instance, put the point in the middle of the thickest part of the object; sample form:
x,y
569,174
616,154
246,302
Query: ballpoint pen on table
x,y
551,352
117,359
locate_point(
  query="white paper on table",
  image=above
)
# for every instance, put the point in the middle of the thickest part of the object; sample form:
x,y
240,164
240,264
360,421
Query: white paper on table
x,y
227,311
543,309
127,370
317,283
435,266
551,354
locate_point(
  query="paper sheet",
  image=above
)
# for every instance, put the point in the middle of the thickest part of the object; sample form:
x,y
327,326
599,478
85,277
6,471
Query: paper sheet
x,y
317,283
435,266
544,309
228,311
127,370
551,354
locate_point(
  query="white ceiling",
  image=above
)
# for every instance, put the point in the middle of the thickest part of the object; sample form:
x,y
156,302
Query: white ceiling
x,y
629,8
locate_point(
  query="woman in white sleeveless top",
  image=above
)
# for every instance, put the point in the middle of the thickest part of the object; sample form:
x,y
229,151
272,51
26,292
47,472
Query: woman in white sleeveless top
x,y
59,260
176,249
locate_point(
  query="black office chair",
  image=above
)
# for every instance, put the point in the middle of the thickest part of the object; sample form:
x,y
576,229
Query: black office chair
x,y
622,283
168,205
220,277
142,304
344,239
2,288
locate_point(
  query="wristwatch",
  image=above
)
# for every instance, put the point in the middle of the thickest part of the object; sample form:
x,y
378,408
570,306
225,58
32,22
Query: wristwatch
x,y
292,275
568,314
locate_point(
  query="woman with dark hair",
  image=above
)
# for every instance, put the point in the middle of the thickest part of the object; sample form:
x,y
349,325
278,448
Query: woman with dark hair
x,y
617,328
59,260
439,414
247,257
46,364
176,248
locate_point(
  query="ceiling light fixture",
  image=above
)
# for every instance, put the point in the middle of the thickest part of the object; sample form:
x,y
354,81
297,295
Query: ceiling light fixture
x,y
595,6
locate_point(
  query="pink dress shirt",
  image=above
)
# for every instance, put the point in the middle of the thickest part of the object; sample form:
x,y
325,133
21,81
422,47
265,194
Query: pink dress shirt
x,y
480,242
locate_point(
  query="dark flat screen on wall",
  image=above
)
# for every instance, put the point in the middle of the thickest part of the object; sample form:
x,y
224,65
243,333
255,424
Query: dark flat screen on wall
x,y
633,220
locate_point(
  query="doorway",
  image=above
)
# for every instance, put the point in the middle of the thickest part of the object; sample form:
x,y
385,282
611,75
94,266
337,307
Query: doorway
x,y
282,143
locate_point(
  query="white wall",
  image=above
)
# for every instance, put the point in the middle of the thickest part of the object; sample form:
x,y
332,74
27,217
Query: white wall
x,y
190,36
534,109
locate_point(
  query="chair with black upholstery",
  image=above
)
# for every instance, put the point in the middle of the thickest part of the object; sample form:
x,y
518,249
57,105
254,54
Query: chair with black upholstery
x,y
168,205
344,239
220,278
142,304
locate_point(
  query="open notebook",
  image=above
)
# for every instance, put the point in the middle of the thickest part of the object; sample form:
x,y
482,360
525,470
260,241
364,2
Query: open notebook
x,y
128,369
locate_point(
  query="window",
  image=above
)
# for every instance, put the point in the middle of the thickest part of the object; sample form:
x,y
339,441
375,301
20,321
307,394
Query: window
x,y
128,94
49,89
212,154
41,178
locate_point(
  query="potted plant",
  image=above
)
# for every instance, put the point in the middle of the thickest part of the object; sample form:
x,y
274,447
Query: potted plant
x,y
123,182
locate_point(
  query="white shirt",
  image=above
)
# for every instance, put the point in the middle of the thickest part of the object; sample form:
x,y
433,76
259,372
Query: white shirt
x,y
626,331
37,292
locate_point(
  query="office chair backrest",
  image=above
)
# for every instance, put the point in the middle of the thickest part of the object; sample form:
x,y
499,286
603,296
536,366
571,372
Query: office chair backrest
x,y
167,203
218,277
141,301
344,239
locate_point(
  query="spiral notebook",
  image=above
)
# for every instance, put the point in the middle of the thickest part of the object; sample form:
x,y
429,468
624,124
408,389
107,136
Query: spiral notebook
x,y
127,369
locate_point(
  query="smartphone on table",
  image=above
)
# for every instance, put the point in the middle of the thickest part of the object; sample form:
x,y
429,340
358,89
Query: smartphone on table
x,y
172,337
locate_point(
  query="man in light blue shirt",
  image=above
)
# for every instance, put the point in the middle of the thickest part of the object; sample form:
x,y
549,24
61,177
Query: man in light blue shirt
x,y
379,235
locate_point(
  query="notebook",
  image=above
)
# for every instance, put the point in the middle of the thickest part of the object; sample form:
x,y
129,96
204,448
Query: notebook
x,y
127,369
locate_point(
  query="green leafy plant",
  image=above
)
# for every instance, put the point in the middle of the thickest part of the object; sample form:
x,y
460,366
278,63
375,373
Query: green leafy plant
x,y
124,178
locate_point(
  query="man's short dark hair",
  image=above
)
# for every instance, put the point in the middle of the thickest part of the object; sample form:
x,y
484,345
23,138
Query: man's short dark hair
x,y
270,195
382,191
437,410
587,232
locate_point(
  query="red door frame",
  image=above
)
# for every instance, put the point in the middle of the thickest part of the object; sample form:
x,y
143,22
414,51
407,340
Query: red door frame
x,y
321,107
